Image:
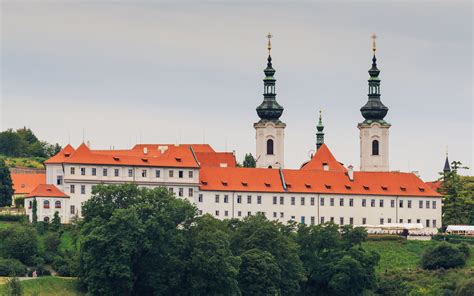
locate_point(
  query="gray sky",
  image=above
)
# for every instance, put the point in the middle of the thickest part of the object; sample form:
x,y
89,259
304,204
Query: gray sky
x,y
189,72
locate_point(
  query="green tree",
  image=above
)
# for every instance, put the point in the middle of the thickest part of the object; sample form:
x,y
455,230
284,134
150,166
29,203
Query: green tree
x,y
259,273
13,287
249,161
11,144
20,243
458,201
6,186
27,135
56,222
34,210
444,255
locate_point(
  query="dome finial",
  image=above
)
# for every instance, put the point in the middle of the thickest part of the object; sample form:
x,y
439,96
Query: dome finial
x,y
374,44
269,45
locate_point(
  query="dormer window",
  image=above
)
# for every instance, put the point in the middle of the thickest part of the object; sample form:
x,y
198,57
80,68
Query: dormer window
x,y
178,159
267,184
224,183
328,186
366,187
403,188
204,182
348,187
384,188
145,159
325,166
288,185
67,154
116,158
244,184
307,185
421,189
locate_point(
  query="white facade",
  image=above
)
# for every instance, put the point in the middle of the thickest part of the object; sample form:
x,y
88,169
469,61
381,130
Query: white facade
x,y
47,206
374,147
320,208
270,139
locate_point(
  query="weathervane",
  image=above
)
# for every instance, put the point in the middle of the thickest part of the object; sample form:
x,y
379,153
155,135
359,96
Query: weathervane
x,y
374,45
269,36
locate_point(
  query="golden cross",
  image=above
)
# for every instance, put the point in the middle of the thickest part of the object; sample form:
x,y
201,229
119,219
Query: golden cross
x,y
374,45
269,36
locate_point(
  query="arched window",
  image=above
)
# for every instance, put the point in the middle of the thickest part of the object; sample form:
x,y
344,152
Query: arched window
x,y
46,219
46,204
270,146
57,204
375,147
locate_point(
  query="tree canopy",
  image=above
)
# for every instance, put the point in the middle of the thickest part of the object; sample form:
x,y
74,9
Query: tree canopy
x,y
6,185
249,161
24,143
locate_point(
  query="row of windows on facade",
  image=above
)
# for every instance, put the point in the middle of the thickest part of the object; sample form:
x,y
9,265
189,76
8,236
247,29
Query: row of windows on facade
x,y
180,192
323,220
144,173
281,200
57,205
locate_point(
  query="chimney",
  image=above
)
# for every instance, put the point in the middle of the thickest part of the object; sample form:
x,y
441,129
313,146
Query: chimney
x,y
350,172
145,150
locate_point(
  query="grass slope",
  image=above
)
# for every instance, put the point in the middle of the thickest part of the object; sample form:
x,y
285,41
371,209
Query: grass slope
x,y
24,162
50,286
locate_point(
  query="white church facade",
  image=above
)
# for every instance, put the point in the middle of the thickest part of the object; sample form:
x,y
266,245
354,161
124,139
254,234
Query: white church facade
x,y
321,190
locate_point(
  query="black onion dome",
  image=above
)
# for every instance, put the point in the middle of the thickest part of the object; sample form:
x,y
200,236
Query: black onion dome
x,y
269,109
374,109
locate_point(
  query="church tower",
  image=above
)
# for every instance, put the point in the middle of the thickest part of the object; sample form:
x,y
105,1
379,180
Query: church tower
x,y
374,130
319,133
269,130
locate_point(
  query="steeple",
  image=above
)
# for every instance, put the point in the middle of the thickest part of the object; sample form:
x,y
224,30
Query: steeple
x,y
374,109
319,133
447,167
269,109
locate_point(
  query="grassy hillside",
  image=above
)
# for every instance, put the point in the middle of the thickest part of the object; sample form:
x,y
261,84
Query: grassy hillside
x,y
24,162
48,286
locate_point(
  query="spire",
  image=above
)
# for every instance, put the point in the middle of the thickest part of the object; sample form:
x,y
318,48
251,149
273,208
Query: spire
x,y
447,167
374,109
269,109
320,133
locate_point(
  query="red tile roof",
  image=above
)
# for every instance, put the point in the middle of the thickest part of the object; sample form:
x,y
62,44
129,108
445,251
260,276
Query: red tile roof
x,y
25,183
140,155
313,181
46,190
435,185
324,157
216,159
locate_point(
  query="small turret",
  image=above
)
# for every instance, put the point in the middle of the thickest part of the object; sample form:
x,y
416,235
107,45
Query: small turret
x,y
319,133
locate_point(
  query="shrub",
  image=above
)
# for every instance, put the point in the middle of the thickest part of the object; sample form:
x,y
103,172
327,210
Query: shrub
x,y
19,202
13,218
13,287
464,248
12,267
443,255
466,288
52,241
19,243
66,265
453,238
386,237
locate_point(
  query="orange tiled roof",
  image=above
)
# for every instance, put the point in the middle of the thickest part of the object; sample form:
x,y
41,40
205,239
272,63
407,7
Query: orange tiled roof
x,y
25,183
324,157
215,159
140,155
313,181
46,190
435,185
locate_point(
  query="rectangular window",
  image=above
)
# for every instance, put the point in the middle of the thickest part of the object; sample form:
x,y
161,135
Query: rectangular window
x,y
144,173
72,210
409,204
427,204
259,199
434,223
200,212
400,203
239,198
364,202
331,202
116,172
104,172
226,199
292,217
400,221
282,200
409,221
427,223
226,213
293,200
381,203
389,220
364,221
275,199
341,221
94,171
83,189
157,173
217,198
130,173
171,189
274,214
322,220
239,213
312,201
180,174
249,213
302,201
420,204
73,171
59,180
190,174
321,201
332,219
372,203
392,203
200,197
171,173
190,192
351,202
351,221
418,221
312,220
249,199
381,221
180,192
83,171
282,215
433,204
73,188
302,219
341,202
217,213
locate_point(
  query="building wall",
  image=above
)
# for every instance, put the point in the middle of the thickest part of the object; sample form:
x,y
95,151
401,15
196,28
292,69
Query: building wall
x,y
264,132
369,133
43,212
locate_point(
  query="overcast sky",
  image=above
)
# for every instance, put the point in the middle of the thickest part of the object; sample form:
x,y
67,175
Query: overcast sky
x,y
157,72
